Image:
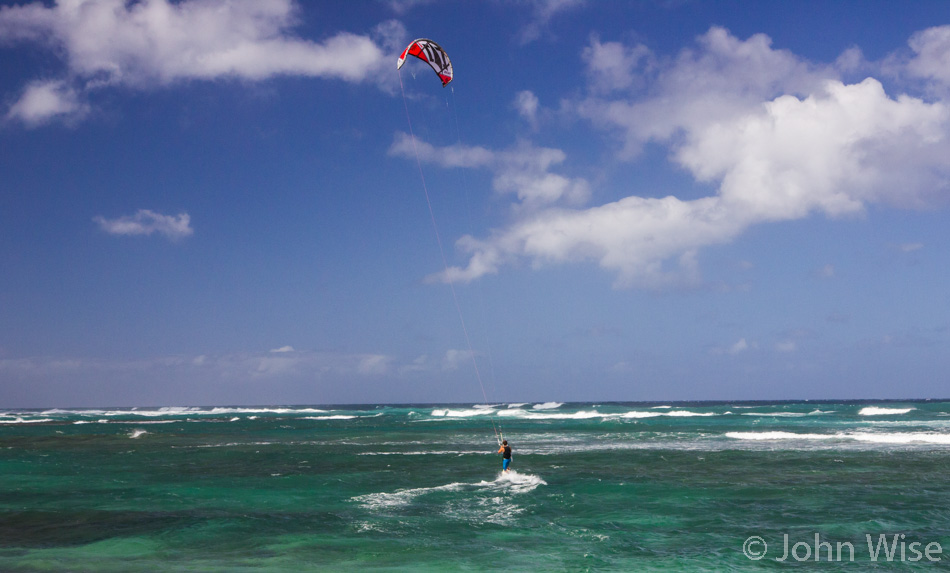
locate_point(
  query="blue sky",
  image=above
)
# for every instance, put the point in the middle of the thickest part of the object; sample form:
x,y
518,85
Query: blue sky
x,y
209,202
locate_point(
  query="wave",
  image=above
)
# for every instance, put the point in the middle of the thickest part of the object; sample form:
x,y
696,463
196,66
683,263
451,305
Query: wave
x,y
429,453
518,482
527,415
867,437
876,411
776,435
670,413
20,420
461,413
688,414
262,411
543,414
636,415
547,406
333,417
512,481
137,422
137,434
788,414
589,414
520,414
169,411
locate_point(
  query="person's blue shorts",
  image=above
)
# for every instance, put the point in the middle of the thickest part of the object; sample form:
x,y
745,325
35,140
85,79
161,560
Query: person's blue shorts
x,y
506,462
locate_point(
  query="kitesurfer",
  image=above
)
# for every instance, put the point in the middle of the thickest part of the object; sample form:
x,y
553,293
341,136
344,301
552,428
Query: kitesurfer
x,y
505,450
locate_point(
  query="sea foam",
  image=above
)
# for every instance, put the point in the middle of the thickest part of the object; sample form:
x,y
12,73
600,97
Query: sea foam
x,y
511,481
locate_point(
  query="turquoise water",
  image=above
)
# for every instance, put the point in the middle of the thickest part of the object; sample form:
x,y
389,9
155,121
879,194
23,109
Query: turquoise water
x,y
599,487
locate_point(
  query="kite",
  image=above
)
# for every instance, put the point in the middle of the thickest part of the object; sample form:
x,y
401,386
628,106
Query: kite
x,y
431,53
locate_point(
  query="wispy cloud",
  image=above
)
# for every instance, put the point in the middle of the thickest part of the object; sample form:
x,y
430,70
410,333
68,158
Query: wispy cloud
x,y
251,377
158,42
737,347
524,170
542,12
526,104
146,222
403,6
825,272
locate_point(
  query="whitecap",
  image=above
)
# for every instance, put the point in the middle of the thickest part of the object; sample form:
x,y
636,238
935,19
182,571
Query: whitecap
x,y
518,482
776,435
581,415
688,414
867,437
636,414
876,411
902,438
788,414
547,406
461,413
426,453
258,410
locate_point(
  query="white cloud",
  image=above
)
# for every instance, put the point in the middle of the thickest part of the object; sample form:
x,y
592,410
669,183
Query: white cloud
x,y
523,170
719,80
740,346
146,222
786,346
282,349
542,11
737,347
634,237
238,366
526,103
42,101
454,358
613,66
833,151
157,42
373,365
931,55
778,138
403,6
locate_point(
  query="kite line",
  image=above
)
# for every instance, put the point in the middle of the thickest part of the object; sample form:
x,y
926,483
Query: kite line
x,y
443,68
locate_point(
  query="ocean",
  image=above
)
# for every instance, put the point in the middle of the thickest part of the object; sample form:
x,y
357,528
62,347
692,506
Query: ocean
x,y
679,486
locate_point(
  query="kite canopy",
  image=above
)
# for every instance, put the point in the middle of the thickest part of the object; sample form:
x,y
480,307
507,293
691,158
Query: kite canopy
x,y
430,53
